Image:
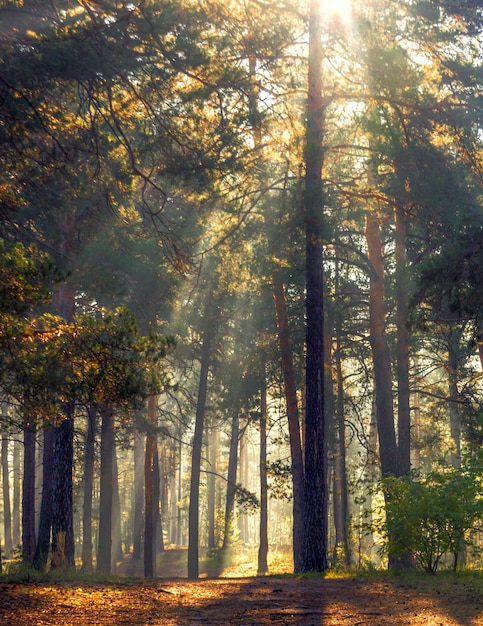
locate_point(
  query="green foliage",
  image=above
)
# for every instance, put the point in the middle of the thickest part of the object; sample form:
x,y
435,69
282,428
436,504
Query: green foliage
x,y
431,516
246,499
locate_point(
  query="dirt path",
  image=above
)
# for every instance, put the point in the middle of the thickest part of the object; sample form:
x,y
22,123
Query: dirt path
x,y
241,602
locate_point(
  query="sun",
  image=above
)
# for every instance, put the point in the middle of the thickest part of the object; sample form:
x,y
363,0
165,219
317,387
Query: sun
x,y
341,10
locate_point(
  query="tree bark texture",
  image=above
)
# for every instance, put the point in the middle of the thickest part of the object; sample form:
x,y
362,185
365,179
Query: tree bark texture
x,y
315,518
63,513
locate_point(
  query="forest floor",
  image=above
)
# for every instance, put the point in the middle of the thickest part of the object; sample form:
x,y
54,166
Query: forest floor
x,y
375,599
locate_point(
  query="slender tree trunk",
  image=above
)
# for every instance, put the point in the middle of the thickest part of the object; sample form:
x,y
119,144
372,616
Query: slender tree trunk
x,y
179,510
231,479
315,510
403,396
290,390
16,525
45,522
28,491
116,550
213,451
454,337
341,513
151,493
158,528
263,545
107,483
89,458
194,502
7,512
138,495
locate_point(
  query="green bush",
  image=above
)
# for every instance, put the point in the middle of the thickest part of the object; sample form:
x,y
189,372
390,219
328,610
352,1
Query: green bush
x,y
430,516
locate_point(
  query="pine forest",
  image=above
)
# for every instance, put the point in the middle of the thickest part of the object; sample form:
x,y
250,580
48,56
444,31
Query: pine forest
x,y
241,286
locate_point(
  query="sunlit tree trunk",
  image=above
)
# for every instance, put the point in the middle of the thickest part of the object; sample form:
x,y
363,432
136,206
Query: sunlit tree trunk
x,y
45,521
106,490
315,510
28,490
138,495
194,501
262,569
89,458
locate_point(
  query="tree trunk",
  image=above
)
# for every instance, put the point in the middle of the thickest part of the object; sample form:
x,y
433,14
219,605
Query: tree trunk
x,y
116,550
138,495
106,488
28,491
151,495
213,452
341,514
17,472
158,528
89,458
63,512
63,547
454,337
290,390
262,569
391,463
45,522
388,450
7,512
315,510
231,479
194,501
403,395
